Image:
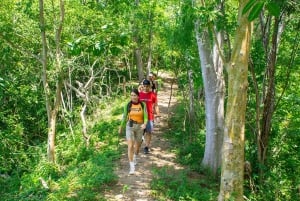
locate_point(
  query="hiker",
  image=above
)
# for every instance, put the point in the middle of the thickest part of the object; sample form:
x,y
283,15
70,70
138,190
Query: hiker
x,y
141,87
150,99
153,81
135,118
154,88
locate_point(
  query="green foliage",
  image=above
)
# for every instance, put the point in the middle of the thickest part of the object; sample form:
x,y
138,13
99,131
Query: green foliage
x,y
281,170
188,151
21,118
192,182
282,178
92,37
80,173
183,34
255,8
273,9
208,14
171,184
248,6
255,11
80,180
190,155
106,130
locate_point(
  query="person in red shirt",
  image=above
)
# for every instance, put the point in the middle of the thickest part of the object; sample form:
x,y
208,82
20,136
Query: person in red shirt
x,y
150,99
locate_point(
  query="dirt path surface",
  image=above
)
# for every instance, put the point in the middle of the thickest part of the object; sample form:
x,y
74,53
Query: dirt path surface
x,y
137,187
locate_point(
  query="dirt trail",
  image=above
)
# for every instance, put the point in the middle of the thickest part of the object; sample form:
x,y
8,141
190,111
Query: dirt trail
x,y
137,187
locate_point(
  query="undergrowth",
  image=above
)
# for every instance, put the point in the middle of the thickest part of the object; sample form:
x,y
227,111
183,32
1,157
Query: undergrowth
x,y
80,173
193,182
85,172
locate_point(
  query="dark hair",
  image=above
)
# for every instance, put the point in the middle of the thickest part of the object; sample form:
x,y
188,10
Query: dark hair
x,y
146,82
141,83
136,91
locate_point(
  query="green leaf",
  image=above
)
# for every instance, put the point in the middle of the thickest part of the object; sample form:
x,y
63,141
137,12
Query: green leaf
x,y
273,9
248,6
255,11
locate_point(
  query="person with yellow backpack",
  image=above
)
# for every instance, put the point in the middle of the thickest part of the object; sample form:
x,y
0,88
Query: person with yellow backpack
x,y
135,118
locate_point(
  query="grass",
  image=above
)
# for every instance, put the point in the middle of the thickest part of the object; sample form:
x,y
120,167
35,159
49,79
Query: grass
x,y
80,172
191,183
171,184
84,178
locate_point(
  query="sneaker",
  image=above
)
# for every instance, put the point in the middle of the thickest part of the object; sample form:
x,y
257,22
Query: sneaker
x,y
132,169
146,150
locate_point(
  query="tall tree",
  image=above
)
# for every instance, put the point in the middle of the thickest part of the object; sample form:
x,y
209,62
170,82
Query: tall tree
x,y
137,48
52,107
232,171
149,61
214,87
273,17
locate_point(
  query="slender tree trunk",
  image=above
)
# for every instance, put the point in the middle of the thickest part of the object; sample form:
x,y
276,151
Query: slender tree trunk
x,y
44,60
52,129
137,50
139,63
84,126
212,74
232,172
191,106
269,99
51,110
149,62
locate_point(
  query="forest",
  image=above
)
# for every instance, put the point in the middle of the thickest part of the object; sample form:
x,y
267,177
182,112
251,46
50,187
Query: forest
x,y
67,68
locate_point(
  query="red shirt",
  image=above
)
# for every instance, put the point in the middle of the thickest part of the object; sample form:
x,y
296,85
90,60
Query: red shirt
x,y
150,99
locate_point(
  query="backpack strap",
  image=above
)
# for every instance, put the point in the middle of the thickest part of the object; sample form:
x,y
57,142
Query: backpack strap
x,y
142,104
129,104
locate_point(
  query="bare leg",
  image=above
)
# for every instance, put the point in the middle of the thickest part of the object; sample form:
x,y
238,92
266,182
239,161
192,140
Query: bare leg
x,y
130,150
130,156
148,139
147,142
137,147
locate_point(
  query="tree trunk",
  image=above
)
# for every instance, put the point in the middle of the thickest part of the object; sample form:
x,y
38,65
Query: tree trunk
x,y
150,36
51,110
139,63
86,137
137,50
269,99
212,74
191,106
232,173
52,127
44,61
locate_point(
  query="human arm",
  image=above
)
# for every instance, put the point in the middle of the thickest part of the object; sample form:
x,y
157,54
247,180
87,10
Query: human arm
x,y
155,106
156,86
145,113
